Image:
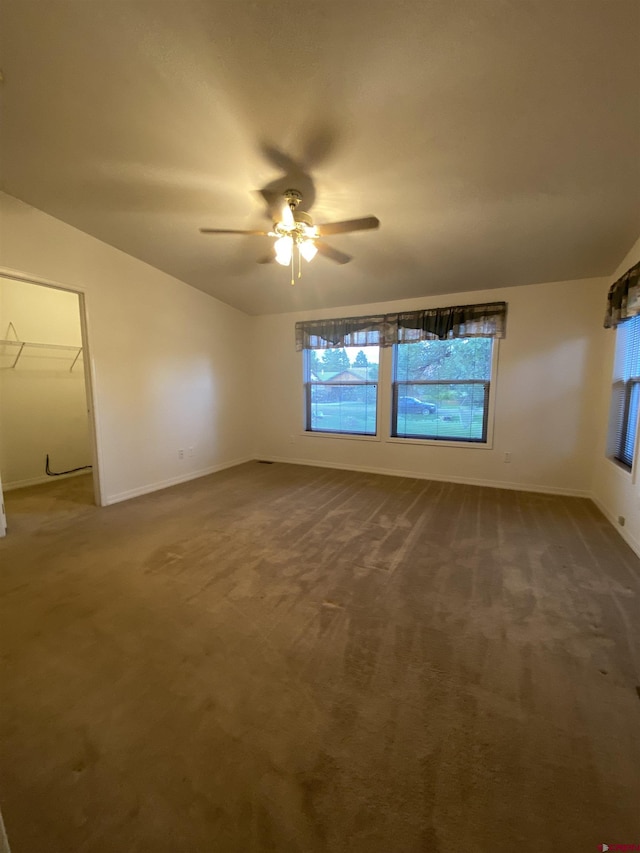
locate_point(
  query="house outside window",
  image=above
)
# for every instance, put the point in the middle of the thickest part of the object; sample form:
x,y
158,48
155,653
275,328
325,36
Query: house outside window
x,y
341,390
441,389
625,403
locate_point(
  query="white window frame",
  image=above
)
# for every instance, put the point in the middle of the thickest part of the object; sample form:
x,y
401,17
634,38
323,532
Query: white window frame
x,y
623,386
447,442
306,401
384,412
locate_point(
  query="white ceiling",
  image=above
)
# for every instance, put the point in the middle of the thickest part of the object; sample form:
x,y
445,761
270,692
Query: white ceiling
x,y
498,141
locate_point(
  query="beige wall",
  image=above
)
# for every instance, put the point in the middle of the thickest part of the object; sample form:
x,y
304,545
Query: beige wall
x,y
616,491
166,372
44,408
547,386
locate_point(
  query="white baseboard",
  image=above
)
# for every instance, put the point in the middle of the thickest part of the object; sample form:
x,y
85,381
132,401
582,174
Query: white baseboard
x,y
172,481
416,475
631,541
37,481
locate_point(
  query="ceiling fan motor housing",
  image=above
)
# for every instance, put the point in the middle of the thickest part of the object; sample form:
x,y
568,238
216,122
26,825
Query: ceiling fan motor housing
x,y
301,225
293,198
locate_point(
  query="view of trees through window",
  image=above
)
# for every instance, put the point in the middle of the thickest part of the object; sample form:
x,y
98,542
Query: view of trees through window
x,y
441,389
342,393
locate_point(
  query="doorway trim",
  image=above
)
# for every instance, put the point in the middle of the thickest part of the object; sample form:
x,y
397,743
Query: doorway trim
x,y
89,372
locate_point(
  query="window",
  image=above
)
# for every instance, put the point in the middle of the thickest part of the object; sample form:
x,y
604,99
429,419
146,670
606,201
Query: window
x,y
626,392
341,390
442,367
441,389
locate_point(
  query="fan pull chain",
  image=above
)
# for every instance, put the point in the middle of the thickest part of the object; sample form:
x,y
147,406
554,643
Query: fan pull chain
x,y
292,263
299,264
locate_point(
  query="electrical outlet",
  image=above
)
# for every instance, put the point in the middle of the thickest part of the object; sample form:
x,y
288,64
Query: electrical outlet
x,y
191,451
292,439
181,454
507,457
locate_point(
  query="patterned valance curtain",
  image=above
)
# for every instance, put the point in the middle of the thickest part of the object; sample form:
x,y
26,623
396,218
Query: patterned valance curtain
x,y
461,321
623,300
348,332
487,320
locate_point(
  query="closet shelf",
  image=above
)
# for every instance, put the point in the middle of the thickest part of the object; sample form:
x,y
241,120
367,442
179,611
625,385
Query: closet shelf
x,y
20,346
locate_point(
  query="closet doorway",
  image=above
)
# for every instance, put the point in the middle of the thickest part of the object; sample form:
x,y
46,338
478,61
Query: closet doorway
x,y
48,458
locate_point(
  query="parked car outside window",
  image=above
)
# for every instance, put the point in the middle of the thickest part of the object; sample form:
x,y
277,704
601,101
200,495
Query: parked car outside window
x,y
411,405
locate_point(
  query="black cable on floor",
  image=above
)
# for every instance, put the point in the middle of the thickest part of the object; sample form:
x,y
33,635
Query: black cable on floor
x,y
51,473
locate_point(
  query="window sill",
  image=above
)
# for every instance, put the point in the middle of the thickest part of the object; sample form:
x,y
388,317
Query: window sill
x,y
347,435
432,442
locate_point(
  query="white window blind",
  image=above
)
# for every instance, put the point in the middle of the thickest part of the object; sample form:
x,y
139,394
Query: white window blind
x,y
626,391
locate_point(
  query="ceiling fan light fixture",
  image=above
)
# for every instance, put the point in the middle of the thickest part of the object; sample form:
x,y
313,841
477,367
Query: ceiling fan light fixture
x,y
308,249
284,250
294,229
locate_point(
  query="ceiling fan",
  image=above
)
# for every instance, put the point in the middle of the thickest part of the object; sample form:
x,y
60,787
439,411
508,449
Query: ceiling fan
x,y
295,233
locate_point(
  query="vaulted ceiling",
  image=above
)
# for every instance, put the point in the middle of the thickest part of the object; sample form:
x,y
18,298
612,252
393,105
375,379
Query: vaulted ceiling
x,y
498,141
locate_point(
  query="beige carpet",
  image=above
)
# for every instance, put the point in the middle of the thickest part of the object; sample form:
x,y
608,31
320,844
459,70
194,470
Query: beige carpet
x,y
282,658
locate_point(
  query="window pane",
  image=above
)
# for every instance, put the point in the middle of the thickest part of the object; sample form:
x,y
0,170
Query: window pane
x,y
629,442
464,358
349,364
341,409
341,390
454,412
623,418
616,418
433,392
631,344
